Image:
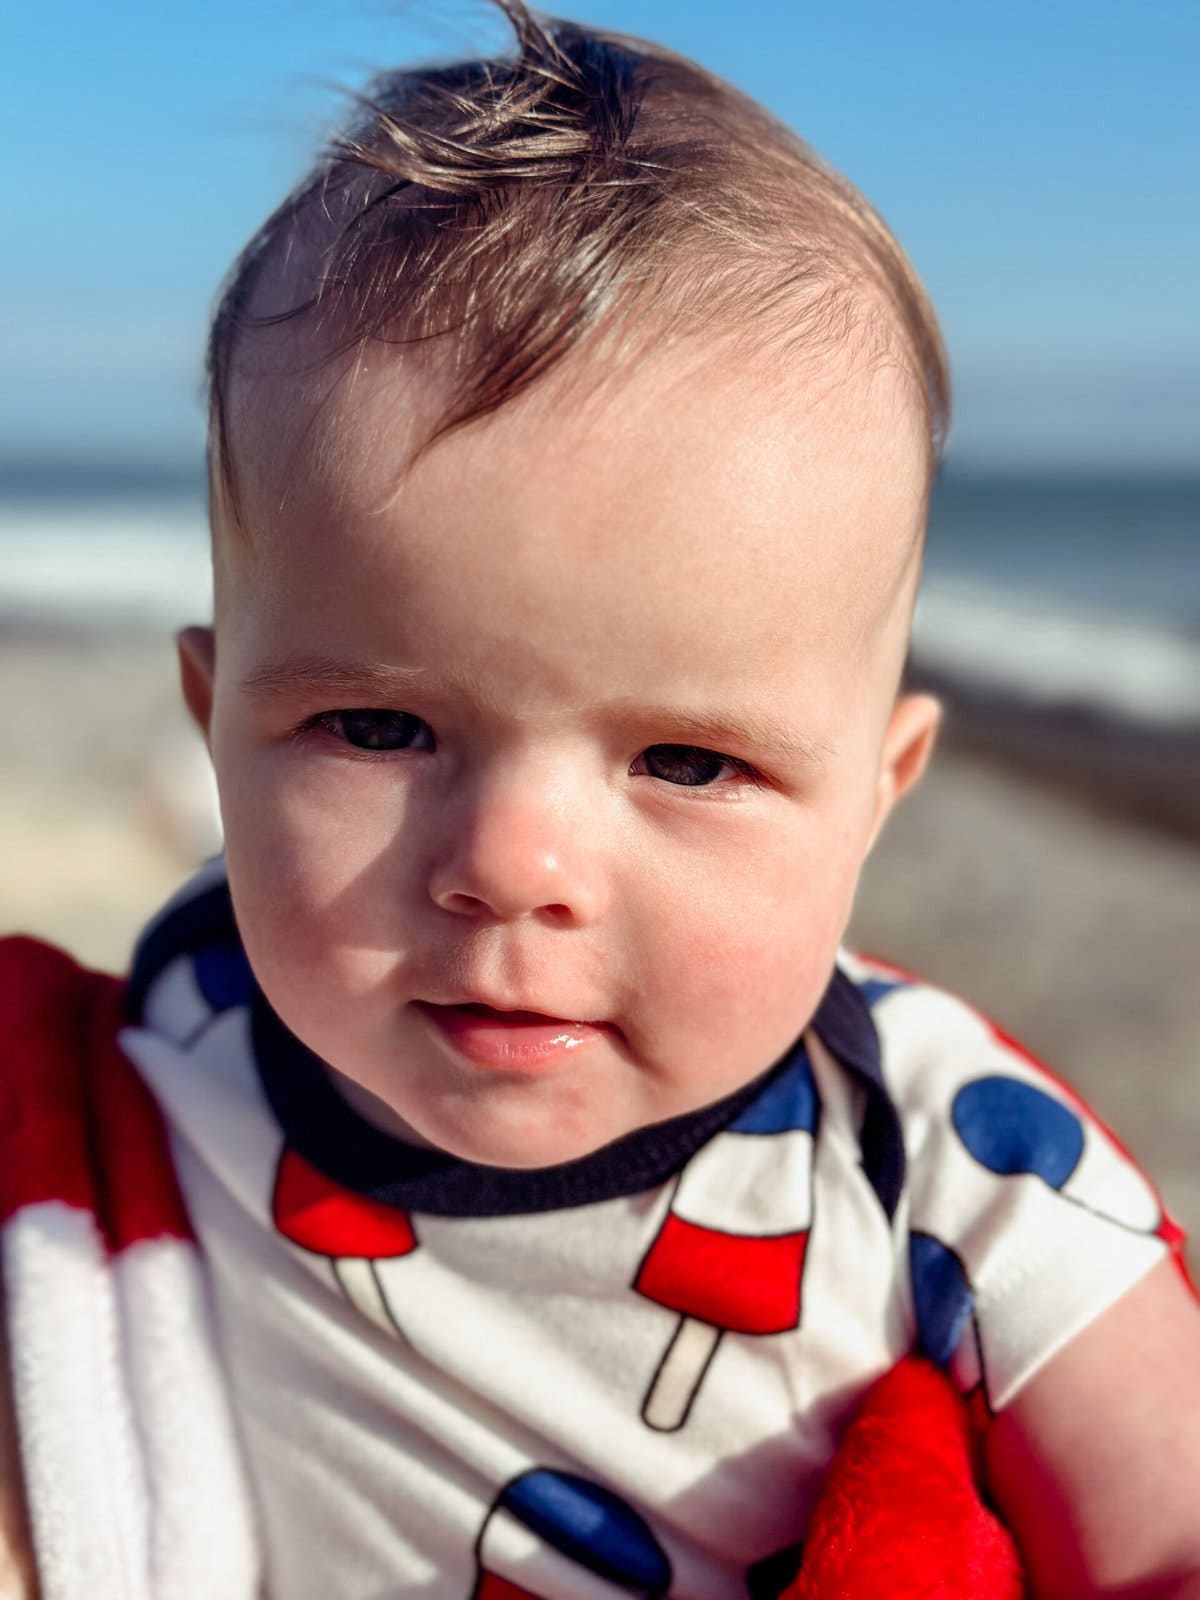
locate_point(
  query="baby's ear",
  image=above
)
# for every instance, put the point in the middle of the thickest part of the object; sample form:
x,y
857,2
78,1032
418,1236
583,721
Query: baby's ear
x,y
907,746
197,662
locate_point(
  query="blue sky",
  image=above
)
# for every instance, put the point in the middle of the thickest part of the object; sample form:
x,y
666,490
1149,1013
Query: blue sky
x,y
1038,160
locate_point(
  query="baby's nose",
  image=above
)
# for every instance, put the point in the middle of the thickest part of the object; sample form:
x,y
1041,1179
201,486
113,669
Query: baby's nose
x,y
516,849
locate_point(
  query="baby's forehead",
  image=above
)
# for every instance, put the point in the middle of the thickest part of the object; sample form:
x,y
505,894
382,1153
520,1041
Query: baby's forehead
x,y
780,488
368,414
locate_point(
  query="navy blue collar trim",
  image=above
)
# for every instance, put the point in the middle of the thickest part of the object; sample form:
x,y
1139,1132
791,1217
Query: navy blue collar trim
x,y
203,920
329,1133
844,1026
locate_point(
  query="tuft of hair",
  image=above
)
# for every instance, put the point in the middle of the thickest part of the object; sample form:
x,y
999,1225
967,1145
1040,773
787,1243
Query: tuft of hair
x,y
491,214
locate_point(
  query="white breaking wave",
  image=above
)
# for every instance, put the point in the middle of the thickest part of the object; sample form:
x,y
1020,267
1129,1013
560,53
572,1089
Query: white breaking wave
x,y
1035,647
144,562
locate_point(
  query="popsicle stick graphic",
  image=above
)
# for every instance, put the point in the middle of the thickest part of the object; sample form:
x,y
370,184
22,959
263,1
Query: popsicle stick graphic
x,y
551,1532
729,1256
355,1232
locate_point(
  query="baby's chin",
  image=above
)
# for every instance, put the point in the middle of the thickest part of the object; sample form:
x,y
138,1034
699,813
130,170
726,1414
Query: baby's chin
x,y
520,1144
508,1137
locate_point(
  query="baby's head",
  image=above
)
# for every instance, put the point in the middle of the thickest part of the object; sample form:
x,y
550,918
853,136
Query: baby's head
x,y
573,428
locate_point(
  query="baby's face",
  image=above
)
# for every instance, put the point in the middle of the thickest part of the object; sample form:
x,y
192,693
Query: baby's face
x,y
590,714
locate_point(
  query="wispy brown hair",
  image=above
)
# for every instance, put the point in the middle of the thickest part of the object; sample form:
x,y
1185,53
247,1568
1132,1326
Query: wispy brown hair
x,y
494,212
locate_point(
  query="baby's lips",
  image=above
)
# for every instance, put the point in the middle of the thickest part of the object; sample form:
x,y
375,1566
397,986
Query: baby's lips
x,y
524,1040
515,1012
517,1015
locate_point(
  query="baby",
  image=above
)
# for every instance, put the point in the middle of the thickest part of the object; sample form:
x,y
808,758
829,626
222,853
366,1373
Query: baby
x,y
562,1186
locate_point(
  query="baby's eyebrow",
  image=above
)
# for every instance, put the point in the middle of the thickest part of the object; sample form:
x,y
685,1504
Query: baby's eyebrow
x,y
741,728
325,675
350,680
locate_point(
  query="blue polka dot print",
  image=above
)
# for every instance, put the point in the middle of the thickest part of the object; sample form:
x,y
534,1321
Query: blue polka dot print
x,y
1011,1127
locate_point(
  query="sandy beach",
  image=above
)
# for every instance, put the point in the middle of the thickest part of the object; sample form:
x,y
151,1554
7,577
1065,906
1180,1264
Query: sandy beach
x,y
1076,929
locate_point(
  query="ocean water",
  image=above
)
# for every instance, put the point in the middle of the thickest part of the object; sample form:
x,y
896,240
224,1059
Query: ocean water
x,y
1068,591
1061,590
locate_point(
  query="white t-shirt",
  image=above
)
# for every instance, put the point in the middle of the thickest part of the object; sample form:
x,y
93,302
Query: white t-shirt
x,y
627,1374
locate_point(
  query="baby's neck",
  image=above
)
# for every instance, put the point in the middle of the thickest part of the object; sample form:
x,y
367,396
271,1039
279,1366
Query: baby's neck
x,y
375,1111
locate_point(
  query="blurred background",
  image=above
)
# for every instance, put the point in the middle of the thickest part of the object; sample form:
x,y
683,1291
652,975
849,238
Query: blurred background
x,y
1039,162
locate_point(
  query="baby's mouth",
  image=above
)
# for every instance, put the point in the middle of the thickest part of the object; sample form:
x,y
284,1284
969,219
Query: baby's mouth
x,y
513,1041
475,1008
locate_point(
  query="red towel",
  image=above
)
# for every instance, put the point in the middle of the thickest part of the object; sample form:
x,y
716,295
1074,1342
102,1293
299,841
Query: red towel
x,y
901,1516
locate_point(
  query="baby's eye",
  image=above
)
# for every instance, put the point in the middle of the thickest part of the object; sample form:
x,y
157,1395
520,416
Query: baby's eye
x,y
688,764
369,729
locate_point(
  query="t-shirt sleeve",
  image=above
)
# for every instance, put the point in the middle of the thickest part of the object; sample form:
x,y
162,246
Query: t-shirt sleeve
x,y
1024,1218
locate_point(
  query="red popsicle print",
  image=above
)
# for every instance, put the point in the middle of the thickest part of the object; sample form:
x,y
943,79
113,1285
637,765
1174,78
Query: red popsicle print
x,y
716,1281
730,1253
353,1230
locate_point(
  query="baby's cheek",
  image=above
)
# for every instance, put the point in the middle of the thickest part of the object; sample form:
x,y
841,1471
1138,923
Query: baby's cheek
x,y
319,879
727,962
759,959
